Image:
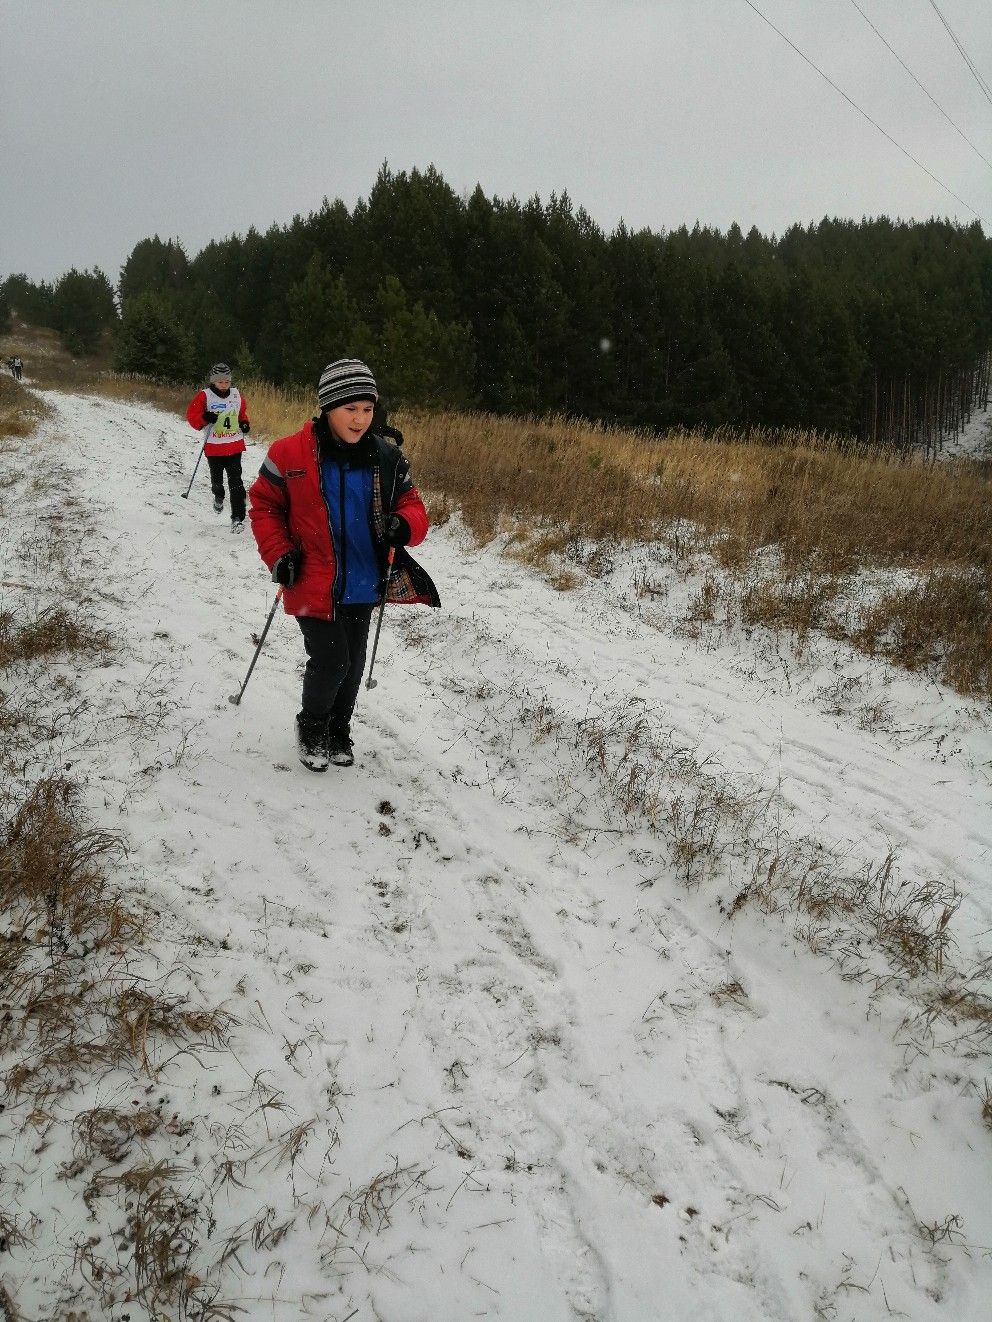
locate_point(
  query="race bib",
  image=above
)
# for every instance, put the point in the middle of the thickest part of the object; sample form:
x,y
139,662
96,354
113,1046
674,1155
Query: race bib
x,y
226,425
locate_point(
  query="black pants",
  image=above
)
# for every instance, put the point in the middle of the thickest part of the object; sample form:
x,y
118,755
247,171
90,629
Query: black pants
x,y
335,662
230,464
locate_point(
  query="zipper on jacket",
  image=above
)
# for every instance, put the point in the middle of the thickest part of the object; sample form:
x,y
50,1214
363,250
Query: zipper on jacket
x,y
330,526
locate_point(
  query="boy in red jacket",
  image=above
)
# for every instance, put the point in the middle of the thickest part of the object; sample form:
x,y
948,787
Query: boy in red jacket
x,y
221,415
333,509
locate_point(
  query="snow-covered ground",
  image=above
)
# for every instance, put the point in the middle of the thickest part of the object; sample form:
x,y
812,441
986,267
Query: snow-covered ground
x,y
541,1079
974,442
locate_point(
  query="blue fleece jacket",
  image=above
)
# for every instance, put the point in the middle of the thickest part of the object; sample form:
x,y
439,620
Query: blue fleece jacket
x,y
348,492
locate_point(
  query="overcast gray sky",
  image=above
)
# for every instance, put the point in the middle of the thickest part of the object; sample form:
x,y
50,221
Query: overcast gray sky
x,y
197,118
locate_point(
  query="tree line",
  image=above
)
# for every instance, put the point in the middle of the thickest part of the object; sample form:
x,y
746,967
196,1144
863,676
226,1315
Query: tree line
x,y
875,328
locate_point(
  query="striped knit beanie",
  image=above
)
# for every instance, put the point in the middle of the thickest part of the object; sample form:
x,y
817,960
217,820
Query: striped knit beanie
x,y
344,382
219,372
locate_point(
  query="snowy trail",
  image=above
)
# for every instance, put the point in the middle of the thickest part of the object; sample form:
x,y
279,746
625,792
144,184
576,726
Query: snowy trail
x,y
625,1107
855,786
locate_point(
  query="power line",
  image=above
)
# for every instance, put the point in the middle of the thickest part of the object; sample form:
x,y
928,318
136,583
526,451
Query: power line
x,y
863,113
920,85
964,54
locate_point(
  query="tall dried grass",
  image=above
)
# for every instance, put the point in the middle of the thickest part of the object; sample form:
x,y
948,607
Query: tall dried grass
x,y
20,411
814,502
818,501
827,508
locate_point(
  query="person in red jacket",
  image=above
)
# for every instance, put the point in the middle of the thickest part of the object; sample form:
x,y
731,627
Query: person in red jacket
x,y
333,510
220,413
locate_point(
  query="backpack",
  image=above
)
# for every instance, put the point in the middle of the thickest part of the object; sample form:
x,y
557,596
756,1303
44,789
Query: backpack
x,y
381,427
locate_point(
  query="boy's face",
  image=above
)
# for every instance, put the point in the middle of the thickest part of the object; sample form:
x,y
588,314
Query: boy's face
x,y
221,383
350,422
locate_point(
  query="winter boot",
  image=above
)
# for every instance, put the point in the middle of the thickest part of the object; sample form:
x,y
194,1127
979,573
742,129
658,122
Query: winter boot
x,y
311,741
218,504
339,746
237,525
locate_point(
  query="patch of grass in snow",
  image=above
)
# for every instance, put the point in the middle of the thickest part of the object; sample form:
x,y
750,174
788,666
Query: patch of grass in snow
x,y
50,632
367,1209
734,834
942,622
936,622
80,1003
986,1098
20,413
85,1003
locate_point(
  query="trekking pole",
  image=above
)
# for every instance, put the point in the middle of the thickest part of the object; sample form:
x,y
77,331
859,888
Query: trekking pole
x,y
195,467
370,683
205,433
236,697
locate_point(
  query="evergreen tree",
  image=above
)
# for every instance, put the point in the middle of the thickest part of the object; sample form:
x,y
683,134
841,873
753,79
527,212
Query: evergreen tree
x,y
512,386
322,324
152,341
875,326
153,266
31,302
423,360
82,309
245,366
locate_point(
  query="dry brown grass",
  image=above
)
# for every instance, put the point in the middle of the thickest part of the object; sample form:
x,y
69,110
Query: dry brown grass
x,y
52,870
138,389
46,363
141,1018
986,1100
111,1134
711,824
741,838
834,508
829,509
20,411
51,367
796,603
162,1231
943,622
82,995
818,502
74,1004
46,634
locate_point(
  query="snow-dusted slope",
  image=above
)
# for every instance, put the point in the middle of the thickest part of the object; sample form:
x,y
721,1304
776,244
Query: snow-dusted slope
x,y
975,441
546,1080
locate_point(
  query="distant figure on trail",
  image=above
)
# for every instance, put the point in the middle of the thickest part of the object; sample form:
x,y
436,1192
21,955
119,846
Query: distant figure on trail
x,y
221,414
333,510
17,367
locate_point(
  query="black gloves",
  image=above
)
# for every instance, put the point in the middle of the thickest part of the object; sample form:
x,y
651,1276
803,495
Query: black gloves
x,y
245,427
287,568
397,530
209,416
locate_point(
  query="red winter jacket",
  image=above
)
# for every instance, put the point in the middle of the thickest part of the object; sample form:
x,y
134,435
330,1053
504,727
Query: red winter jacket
x,y
287,511
215,444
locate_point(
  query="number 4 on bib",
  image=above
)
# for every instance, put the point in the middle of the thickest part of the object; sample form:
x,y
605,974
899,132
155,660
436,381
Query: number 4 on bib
x,y
226,424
